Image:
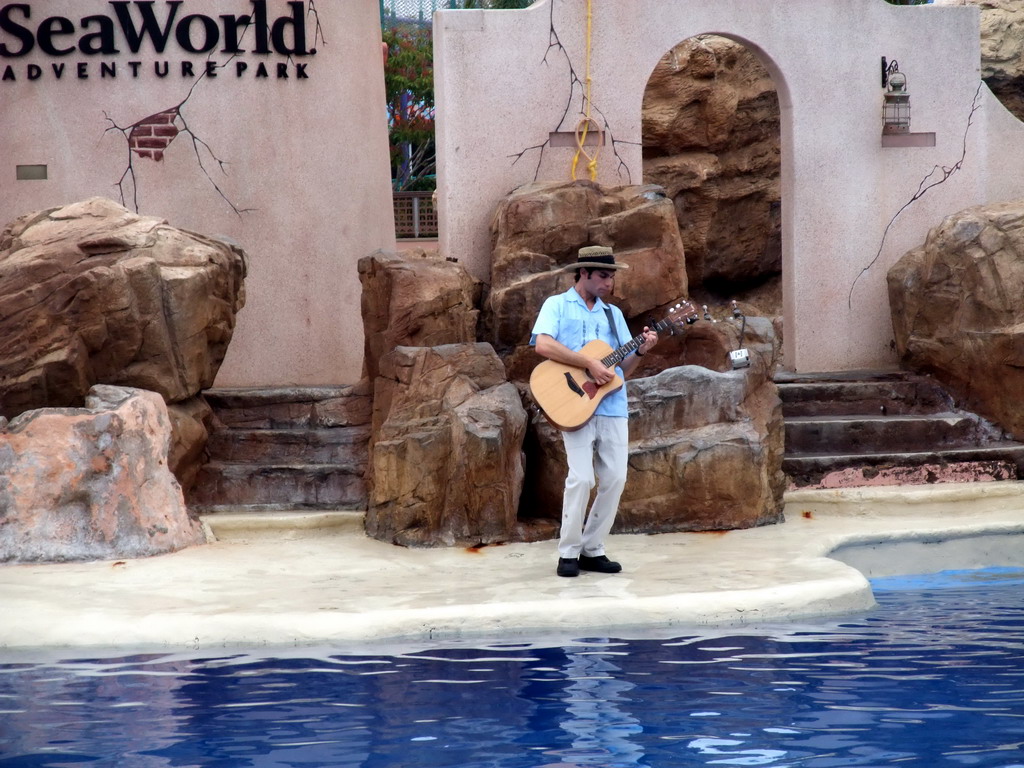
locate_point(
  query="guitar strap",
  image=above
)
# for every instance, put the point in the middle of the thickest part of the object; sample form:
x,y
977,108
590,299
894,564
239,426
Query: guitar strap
x,y
611,322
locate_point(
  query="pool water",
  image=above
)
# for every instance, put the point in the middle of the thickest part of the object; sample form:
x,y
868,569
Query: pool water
x,y
933,677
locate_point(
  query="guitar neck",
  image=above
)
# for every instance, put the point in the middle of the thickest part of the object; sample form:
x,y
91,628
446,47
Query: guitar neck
x,y
633,344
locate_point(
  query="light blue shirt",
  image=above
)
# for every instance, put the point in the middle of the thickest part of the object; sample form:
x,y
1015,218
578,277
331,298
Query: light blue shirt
x,y
566,318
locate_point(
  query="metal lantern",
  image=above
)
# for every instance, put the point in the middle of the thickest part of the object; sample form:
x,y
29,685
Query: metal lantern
x,y
896,107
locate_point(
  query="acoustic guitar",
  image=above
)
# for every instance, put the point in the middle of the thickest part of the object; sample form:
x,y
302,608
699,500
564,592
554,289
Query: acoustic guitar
x,y
569,396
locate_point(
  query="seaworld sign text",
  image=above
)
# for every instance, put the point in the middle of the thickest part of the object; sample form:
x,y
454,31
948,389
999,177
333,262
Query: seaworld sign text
x,y
134,26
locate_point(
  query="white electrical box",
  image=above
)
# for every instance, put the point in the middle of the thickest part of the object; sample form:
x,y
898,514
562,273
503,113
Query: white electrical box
x,y
739,358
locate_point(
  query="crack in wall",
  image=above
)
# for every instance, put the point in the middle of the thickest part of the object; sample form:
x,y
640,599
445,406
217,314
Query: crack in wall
x,y
555,43
150,137
927,183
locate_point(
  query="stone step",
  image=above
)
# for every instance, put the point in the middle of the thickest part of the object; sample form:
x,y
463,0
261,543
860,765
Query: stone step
x,y
282,486
228,523
860,392
285,448
1001,461
891,434
861,374
337,445
291,407
888,395
886,427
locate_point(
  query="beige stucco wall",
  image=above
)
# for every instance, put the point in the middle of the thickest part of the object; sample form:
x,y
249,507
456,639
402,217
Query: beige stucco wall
x,y
502,86
307,159
1003,151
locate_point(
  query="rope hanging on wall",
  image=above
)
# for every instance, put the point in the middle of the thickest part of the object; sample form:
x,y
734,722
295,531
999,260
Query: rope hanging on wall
x,y
585,123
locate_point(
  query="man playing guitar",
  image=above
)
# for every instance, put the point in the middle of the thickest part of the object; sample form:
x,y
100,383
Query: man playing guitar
x,y
565,324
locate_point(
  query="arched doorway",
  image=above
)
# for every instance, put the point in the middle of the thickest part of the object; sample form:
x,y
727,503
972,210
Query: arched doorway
x,y
711,138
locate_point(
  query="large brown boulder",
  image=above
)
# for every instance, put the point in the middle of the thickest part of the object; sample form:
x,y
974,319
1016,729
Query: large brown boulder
x,y
92,483
414,300
191,423
542,226
958,313
92,293
446,453
1002,51
710,125
705,449
705,452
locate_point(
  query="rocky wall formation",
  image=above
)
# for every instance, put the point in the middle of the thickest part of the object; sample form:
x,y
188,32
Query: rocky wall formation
x,y
91,293
415,301
1002,51
540,227
710,126
454,458
707,452
957,311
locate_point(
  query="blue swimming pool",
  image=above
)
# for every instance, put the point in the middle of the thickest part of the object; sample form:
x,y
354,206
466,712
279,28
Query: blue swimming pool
x,y
933,677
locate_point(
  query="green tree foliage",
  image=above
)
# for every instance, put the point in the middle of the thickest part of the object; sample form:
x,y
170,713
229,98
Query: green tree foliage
x,y
409,87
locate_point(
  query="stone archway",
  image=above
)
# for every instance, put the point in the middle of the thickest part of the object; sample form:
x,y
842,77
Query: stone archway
x,y
711,138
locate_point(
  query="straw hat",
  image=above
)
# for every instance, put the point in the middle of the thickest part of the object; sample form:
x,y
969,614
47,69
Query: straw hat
x,y
594,257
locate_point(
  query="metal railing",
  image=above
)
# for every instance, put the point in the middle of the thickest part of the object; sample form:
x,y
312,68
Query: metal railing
x,y
422,11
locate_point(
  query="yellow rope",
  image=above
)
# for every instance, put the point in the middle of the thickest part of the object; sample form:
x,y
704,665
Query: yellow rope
x,y
583,126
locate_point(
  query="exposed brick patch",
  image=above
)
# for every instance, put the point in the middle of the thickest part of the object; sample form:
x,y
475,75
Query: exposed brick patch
x,y
150,136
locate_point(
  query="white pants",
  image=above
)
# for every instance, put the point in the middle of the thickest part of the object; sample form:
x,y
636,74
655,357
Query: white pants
x,y
602,444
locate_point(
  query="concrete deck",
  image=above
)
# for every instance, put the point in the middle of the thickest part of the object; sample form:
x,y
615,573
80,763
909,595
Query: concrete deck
x,y
314,579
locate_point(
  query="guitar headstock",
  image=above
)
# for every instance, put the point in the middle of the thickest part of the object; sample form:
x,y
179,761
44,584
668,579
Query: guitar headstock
x,y
683,313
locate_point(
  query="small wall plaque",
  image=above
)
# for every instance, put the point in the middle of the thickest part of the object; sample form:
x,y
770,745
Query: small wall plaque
x,y
908,139
568,139
30,172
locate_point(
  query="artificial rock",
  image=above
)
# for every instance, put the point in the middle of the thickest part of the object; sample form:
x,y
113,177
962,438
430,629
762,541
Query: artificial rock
x,y
710,126
446,464
415,300
92,483
705,450
191,422
957,312
1002,51
540,227
91,293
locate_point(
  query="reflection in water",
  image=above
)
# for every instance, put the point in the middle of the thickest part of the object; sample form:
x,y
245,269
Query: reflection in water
x,y
933,678
594,714
73,707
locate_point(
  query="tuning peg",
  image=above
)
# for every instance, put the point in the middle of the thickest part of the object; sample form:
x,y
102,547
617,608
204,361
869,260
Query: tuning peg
x,y
736,309
707,315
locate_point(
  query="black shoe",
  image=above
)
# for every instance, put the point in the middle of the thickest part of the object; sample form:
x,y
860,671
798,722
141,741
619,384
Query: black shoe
x,y
568,566
601,564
